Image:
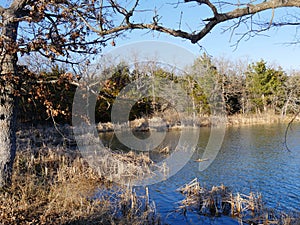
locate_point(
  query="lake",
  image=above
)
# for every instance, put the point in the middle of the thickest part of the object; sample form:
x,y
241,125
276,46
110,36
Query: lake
x,y
252,158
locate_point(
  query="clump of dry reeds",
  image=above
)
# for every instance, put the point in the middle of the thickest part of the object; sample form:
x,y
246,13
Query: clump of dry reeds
x,y
129,208
122,168
221,201
208,202
55,187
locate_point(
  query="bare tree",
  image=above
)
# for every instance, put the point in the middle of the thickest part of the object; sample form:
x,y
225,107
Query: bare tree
x,y
292,94
59,29
240,12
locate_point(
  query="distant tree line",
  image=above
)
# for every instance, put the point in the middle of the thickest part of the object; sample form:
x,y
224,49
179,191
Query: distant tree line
x,y
246,89
253,88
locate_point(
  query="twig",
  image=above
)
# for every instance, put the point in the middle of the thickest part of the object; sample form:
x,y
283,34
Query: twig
x,y
287,129
57,129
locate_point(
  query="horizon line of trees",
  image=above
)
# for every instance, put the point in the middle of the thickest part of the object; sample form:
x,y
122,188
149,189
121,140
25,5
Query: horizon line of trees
x,y
253,88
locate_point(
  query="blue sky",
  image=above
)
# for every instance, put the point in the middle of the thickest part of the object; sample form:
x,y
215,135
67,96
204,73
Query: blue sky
x,y
271,48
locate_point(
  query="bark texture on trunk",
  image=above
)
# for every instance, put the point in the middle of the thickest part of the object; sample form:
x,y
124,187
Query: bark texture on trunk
x,y
8,67
7,134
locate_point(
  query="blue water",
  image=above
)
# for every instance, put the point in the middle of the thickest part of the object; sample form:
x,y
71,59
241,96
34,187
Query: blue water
x,y
252,158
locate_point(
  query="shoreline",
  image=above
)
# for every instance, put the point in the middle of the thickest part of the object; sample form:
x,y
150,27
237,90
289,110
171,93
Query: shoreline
x,y
158,124
36,136
43,164
241,120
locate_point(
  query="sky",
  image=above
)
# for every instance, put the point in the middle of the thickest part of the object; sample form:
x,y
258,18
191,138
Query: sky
x,y
272,47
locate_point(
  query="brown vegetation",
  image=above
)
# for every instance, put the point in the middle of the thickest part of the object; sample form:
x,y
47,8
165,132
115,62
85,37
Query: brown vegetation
x,y
220,200
267,118
57,186
51,187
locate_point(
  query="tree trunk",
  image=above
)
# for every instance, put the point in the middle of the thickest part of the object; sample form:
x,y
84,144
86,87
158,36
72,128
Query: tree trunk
x,y
8,67
7,134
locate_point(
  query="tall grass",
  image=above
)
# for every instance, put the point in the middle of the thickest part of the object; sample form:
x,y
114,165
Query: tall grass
x,y
55,187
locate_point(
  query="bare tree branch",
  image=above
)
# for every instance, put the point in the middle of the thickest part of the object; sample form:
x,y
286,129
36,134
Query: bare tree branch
x,y
287,130
250,9
194,36
286,24
208,3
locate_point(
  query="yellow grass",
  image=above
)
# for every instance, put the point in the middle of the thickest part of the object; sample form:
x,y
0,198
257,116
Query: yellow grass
x,y
53,187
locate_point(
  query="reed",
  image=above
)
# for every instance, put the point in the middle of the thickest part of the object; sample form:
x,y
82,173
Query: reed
x,y
55,187
123,168
219,200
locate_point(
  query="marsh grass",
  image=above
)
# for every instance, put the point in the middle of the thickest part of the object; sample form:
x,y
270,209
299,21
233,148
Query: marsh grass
x,y
218,201
52,186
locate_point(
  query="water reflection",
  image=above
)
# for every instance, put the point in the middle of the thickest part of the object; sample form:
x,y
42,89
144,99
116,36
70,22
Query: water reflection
x,y
252,158
161,152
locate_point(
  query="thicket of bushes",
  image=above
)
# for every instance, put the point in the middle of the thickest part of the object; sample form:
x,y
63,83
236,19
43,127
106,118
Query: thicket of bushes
x,y
258,88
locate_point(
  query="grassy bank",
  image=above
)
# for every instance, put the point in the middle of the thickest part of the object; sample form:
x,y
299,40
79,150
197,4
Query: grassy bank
x,y
251,119
175,122
52,187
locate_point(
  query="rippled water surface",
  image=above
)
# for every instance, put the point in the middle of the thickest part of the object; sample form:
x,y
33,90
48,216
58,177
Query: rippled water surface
x,y
252,158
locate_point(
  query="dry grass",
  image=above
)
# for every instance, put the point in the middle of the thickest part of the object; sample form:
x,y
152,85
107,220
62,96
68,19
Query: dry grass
x,y
264,118
115,166
52,187
123,168
218,201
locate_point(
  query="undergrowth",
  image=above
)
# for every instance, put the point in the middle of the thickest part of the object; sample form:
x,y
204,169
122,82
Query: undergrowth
x,y
55,187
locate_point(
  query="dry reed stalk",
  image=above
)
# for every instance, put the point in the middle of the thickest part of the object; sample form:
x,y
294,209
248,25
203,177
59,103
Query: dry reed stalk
x,y
50,187
219,200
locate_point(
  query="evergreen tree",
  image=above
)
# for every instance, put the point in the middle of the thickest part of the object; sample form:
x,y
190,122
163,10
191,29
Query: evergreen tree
x,y
265,87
